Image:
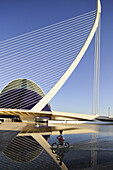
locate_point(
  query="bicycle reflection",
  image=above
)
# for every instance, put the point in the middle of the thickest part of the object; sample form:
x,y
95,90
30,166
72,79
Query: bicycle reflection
x,y
60,152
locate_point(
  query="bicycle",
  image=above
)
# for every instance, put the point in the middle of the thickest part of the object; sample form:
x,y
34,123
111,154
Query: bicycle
x,y
57,144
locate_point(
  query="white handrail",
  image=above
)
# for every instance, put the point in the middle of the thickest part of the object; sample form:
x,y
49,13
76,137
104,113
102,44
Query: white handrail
x,y
42,103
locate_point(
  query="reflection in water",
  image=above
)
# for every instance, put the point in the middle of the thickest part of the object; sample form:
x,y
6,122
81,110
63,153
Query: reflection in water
x,y
32,148
23,149
94,152
24,152
29,150
60,152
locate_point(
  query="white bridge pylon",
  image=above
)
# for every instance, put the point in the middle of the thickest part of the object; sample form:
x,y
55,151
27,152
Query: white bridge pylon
x,y
42,103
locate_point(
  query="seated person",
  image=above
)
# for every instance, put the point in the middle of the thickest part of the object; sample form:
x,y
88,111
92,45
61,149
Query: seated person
x,y
61,137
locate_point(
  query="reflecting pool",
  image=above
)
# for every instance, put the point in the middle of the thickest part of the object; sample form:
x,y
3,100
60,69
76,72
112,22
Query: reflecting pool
x,y
91,146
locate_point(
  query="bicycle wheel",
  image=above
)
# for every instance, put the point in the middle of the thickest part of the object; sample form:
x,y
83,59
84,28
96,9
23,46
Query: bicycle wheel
x,y
55,146
66,144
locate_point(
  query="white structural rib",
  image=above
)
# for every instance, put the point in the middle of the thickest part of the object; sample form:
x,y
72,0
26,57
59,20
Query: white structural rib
x,y
42,103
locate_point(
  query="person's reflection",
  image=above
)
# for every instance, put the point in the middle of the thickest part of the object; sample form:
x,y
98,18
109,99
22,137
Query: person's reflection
x,y
60,154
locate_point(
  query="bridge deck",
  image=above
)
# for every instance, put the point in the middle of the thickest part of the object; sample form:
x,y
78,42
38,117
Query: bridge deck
x,y
28,115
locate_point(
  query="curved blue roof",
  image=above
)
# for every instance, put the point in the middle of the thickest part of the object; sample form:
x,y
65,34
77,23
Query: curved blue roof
x,y
21,99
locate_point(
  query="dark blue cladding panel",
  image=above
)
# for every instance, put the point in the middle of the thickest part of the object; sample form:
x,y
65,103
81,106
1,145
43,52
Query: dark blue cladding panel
x,y
21,99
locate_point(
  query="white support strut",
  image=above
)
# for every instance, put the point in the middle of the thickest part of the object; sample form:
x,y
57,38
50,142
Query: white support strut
x,y
43,102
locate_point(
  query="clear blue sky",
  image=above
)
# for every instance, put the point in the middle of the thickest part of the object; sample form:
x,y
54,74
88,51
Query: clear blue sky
x,y
21,16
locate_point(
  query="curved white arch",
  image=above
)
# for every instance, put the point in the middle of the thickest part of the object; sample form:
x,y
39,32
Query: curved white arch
x,y
41,104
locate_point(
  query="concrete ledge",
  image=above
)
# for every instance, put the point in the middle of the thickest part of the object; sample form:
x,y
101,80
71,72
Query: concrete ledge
x,y
58,122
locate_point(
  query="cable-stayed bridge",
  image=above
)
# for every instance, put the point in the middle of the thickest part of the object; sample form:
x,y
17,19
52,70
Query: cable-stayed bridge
x,y
47,56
